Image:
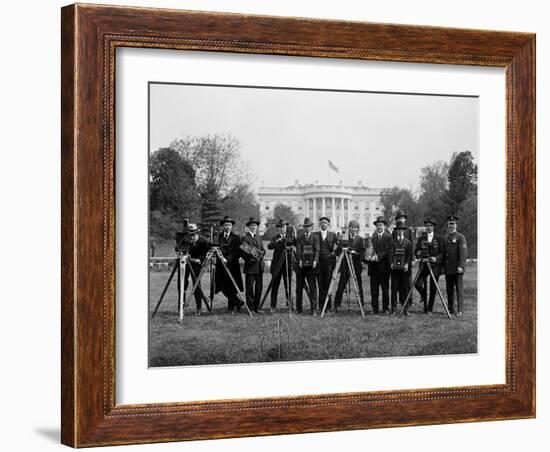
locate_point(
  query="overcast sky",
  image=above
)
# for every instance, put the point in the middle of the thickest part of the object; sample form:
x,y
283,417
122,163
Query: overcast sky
x,y
378,138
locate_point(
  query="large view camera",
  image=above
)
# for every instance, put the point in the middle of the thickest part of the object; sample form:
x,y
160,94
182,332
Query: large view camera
x,y
424,249
183,239
398,259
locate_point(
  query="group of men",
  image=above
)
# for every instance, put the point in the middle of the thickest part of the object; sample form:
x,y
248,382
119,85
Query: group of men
x,y
389,256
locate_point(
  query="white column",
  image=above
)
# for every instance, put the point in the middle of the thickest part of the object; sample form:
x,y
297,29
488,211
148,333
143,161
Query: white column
x,y
362,216
324,211
333,212
342,218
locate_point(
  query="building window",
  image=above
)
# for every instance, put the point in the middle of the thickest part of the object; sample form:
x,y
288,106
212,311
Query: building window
x,y
300,208
266,207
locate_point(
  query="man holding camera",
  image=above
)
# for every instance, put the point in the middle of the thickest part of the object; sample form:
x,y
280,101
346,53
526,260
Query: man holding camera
x,y
357,252
429,249
379,265
198,248
230,248
279,244
400,258
408,233
307,265
455,253
253,265
327,253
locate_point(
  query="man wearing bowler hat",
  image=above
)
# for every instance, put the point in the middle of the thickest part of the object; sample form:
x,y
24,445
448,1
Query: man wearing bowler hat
x,y
455,253
429,246
357,251
379,265
327,253
229,246
278,245
400,257
253,266
307,265
198,248
408,233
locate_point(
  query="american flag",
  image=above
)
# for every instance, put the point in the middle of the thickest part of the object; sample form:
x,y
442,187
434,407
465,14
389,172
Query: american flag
x,y
333,167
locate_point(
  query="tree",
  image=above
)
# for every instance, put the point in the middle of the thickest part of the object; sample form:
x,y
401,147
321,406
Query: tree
x,y
221,174
173,193
395,198
433,186
242,204
285,213
462,177
467,215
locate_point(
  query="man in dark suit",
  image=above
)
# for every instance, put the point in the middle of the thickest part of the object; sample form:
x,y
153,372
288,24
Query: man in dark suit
x,y
379,265
198,248
357,251
307,266
278,245
400,258
455,253
253,266
409,234
229,245
429,247
327,253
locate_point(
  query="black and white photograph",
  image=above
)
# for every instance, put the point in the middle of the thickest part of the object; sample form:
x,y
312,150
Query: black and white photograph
x,y
292,224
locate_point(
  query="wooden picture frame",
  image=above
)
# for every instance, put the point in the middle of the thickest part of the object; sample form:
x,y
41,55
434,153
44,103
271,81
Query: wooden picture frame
x,y
90,36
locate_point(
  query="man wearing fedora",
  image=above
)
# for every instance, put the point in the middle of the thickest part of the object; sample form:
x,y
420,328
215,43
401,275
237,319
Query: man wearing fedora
x,y
357,251
408,233
198,248
455,253
253,267
379,265
327,253
230,248
307,266
278,245
399,272
434,251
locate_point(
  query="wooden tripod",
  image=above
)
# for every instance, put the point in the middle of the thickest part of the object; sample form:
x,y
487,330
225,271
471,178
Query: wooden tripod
x,y
346,254
424,262
213,254
179,266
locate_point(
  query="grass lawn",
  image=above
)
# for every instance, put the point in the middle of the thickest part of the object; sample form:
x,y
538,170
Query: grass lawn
x,y
223,338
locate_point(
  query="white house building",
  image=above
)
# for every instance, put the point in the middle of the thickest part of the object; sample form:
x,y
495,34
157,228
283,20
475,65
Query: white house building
x,y
341,203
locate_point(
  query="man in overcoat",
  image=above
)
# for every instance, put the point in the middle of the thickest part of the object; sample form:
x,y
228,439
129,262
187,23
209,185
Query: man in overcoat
x,y
409,234
357,251
327,253
431,245
307,266
455,253
253,266
229,246
379,265
399,273
278,245
198,248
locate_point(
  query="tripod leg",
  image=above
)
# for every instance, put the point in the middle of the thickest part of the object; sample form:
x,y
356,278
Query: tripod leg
x,y
355,284
288,262
202,295
173,272
181,295
411,288
331,285
439,292
270,285
224,265
207,260
212,283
